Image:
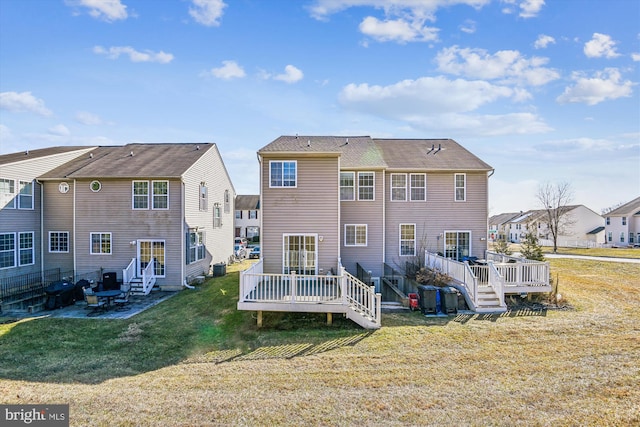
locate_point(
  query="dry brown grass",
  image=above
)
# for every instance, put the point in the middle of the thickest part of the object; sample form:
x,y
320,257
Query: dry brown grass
x,y
566,367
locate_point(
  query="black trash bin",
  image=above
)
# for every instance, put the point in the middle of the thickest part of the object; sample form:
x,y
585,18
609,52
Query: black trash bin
x,y
449,300
219,269
427,299
59,294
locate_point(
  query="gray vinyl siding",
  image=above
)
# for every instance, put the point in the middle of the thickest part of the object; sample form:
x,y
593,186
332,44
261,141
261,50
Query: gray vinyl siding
x,y
219,240
370,213
59,217
310,208
439,213
110,211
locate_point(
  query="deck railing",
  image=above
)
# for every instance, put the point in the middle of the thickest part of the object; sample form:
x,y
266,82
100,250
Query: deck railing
x,y
459,271
361,297
149,276
129,272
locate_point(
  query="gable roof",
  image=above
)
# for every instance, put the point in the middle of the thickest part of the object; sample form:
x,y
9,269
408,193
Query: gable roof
x,y
132,161
247,202
629,208
7,159
502,218
361,152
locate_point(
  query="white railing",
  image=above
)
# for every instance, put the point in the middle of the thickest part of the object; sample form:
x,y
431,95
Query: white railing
x,y
149,277
532,274
362,298
457,270
496,282
249,280
129,272
496,257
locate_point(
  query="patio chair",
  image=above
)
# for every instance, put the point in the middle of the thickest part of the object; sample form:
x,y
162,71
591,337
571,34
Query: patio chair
x,y
123,299
95,304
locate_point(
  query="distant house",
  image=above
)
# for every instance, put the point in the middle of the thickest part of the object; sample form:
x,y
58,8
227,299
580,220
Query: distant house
x,y
155,210
247,216
580,226
499,226
622,225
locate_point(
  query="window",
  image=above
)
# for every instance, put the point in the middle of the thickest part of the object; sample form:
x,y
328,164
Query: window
x,y
347,186
622,237
366,186
630,237
160,195
7,194
398,187
457,244
460,186
25,198
195,251
407,239
610,236
227,202
253,214
217,218
418,187
355,235
238,214
282,174
608,220
7,250
624,220
58,241
151,250
27,254
204,197
140,191
100,243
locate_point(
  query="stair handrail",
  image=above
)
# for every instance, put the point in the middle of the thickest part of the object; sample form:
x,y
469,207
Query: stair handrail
x,y
148,276
496,281
129,272
361,297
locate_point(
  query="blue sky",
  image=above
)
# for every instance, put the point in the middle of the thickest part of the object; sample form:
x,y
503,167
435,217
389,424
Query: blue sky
x,y
542,91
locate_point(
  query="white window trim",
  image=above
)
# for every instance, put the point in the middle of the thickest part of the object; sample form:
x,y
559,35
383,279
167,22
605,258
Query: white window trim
x,y
356,244
33,248
397,187
199,244
285,236
374,187
271,162
353,187
151,242
153,206
412,187
455,187
58,233
10,196
15,245
400,240
91,243
30,195
133,195
444,239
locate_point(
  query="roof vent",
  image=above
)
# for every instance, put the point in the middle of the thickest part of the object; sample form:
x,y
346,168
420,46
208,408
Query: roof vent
x,y
131,153
91,155
26,153
197,147
347,141
308,143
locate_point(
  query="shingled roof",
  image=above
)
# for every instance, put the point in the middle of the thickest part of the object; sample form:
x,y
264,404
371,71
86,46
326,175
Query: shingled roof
x,y
360,152
6,159
629,208
247,202
132,161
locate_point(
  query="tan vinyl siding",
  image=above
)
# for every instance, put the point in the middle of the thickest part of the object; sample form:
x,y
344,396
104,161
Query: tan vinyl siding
x,y
59,217
370,213
310,208
109,211
439,213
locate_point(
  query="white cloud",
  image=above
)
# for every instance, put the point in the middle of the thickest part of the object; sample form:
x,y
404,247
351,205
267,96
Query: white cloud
x,y
321,9
291,75
135,56
88,119
509,65
635,57
604,85
5,132
469,26
23,102
398,30
207,12
229,70
543,41
600,45
106,10
530,8
59,130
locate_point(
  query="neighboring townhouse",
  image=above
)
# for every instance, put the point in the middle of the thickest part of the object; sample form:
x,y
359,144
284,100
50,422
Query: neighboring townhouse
x,y
622,224
369,201
20,207
580,226
499,226
247,217
126,208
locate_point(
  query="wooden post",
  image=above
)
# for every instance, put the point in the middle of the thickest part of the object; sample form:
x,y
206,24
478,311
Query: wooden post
x,y
329,319
260,319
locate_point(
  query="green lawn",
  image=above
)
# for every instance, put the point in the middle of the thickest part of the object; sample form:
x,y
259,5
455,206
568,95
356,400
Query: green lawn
x,y
194,360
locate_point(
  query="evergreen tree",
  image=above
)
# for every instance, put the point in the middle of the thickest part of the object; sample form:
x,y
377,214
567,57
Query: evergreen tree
x,y
531,249
501,246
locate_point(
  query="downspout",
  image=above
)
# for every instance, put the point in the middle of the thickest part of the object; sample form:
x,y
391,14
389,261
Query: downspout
x,y
384,222
339,260
74,226
182,235
42,241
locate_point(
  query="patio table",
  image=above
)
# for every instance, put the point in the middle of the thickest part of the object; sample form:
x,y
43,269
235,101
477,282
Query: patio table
x,y
109,295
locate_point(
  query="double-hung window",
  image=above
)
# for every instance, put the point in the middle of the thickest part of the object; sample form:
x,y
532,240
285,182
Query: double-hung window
x,y
347,186
355,235
398,187
238,214
27,251
204,197
460,180
253,214
196,246
140,194
7,193
418,184
25,198
366,186
7,250
160,195
58,241
624,220
407,239
100,243
217,216
283,173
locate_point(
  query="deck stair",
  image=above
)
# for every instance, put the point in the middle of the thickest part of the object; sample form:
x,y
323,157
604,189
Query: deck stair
x,y
488,301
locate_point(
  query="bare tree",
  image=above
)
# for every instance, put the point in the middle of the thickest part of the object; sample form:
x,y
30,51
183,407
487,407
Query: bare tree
x,y
555,200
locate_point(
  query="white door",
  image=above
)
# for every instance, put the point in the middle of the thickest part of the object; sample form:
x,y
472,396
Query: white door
x,y
300,253
147,250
